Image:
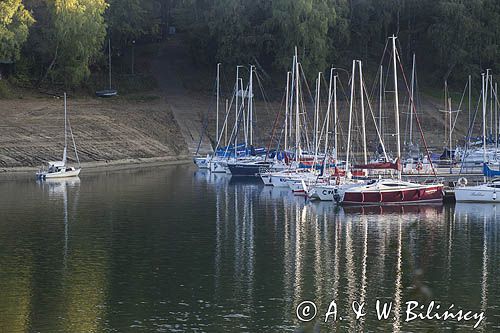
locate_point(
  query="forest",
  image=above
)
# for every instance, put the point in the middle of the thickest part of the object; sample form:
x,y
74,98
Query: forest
x,y
63,42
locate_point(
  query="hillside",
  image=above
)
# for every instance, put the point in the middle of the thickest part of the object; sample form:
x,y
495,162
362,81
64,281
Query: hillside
x,y
104,130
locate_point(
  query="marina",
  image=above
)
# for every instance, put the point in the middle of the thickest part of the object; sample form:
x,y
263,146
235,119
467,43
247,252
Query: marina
x,y
249,166
308,158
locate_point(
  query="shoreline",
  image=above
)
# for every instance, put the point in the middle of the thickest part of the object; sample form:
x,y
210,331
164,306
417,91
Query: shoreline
x,y
113,165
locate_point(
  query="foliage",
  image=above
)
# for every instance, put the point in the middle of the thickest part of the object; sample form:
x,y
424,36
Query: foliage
x,y
78,36
4,89
129,20
451,38
15,21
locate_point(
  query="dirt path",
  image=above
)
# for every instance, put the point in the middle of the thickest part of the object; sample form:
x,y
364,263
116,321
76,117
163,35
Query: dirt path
x,y
169,68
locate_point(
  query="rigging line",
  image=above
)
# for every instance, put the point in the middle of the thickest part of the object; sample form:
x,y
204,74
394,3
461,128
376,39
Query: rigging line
x,y
303,74
469,132
205,121
276,119
73,139
264,96
342,89
304,108
305,121
234,131
237,124
375,123
278,143
328,105
459,107
224,127
416,117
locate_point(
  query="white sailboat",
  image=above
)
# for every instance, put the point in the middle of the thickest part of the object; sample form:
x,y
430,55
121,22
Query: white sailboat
x,y
486,192
60,169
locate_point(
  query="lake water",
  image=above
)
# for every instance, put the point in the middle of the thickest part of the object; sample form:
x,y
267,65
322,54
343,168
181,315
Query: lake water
x,y
173,249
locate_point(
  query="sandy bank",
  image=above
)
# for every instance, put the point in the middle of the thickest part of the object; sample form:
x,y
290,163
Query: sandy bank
x,y
116,165
108,132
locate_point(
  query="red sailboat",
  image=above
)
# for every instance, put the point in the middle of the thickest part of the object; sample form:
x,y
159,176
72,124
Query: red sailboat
x,y
393,191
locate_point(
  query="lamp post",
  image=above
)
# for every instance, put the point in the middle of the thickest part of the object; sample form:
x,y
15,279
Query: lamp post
x,y
133,56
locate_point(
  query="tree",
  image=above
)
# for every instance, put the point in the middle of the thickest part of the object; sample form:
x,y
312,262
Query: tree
x,y
131,19
78,35
454,34
15,21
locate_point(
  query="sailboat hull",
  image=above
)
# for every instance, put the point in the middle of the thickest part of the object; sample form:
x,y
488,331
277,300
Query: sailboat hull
x,y
424,194
59,174
247,169
481,193
201,162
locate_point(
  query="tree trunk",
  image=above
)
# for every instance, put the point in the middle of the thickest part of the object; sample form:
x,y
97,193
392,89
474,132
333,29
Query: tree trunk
x,y
52,64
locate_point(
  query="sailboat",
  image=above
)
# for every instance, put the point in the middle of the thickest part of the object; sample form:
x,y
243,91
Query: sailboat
x,y
110,92
486,192
342,180
60,169
393,191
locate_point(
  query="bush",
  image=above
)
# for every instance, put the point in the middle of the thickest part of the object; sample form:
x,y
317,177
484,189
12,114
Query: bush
x,y
4,89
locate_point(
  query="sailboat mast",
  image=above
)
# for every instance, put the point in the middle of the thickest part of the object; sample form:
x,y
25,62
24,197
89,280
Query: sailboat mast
x,y
335,115
449,134
496,117
316,117
109,60
250,105
328,109
65,125
297,120
445,107
412,101
396,102
491,106
484,117
380,101
286,108
484,91
236,112
470,103
363,121
351,103
217,107
225,123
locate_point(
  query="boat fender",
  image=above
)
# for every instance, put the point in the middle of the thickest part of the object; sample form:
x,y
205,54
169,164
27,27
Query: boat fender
x,y
494,195
462,181
336,197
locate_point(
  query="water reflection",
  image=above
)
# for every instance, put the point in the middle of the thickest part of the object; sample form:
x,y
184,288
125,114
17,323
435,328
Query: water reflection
x,y
366,253
174,249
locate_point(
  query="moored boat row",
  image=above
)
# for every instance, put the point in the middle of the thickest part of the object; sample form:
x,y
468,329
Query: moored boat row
x,y
307,155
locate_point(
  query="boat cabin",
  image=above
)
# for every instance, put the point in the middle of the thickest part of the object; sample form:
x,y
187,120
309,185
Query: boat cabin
x,y
57,166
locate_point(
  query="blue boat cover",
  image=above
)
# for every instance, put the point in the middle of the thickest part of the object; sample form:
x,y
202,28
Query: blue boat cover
x,y
489,172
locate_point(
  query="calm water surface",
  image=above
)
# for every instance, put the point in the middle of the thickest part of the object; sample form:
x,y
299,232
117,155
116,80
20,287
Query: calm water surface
x,y
177,250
